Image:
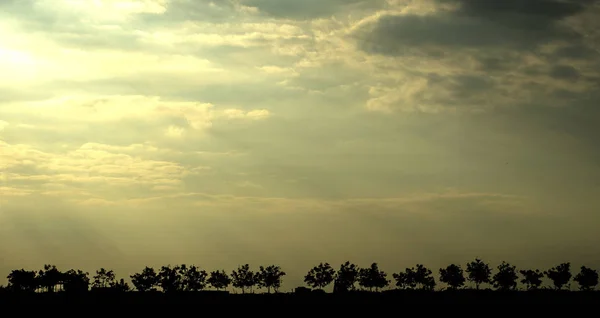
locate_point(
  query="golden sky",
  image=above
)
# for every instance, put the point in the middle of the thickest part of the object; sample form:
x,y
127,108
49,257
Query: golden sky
x,y
288,132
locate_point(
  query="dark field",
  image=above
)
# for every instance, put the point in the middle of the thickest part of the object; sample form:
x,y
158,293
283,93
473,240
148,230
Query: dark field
x,y
388,297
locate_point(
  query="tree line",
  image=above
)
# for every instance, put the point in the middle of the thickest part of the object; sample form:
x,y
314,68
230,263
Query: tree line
x,y
349,277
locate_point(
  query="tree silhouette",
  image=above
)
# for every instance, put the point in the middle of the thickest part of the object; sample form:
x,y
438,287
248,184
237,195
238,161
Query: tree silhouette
x,y
453,276
76,281
184,278
145,281
413,277
506,277
559,275
22,280
219,280
478,272
423,277
372,277
121,286
243,278
170,278
270,277
320,276
587,279
49,278
346,277
104,279
531,278
193,279
406,279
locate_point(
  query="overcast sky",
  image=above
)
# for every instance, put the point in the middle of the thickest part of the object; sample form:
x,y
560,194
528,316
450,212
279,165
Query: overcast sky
x,y
226,132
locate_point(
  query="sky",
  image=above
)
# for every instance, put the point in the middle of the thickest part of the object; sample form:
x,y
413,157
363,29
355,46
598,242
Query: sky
x,y
225,132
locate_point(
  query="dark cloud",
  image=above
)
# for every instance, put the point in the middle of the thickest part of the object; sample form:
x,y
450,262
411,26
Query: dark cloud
x,y
475,24
310,9
530,11
393,35
576,52
466,85
463,90
564,72
491,63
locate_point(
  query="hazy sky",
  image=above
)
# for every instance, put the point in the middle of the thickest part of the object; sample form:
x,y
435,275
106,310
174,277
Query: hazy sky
x,y
225,132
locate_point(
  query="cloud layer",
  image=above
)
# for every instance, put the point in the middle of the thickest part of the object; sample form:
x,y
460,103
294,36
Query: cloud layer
x,y
225,132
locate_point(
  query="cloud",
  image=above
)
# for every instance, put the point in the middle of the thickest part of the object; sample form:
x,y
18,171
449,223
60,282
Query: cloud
x,y
12,192
84,24
434,93
310,9
476,56
178,11
153,132
474,24
104,168
254,114
565,72
512,25
175,27
576,52
538,10
174,131
103,109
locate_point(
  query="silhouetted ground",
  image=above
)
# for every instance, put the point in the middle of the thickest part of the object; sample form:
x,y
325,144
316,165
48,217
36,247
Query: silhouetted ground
x,y
388,297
